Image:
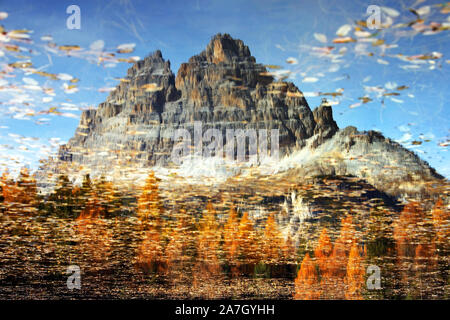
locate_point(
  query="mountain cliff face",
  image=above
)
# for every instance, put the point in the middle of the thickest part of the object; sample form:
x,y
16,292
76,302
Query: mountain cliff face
x,y
224,88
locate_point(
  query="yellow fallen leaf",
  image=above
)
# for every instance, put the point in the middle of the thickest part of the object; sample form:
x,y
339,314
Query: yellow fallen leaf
x,y
378,42
365,99
343,40
12,47
20,64
69,48
271,66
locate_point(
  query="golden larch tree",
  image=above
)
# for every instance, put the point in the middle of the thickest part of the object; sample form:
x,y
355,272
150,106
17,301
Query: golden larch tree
x,y
323,252
150,206
355,274
230,231
307,285
272,242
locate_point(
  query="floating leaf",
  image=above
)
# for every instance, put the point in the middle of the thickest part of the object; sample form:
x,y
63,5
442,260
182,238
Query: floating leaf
x,y
365,99
423,10
69,48
12,47
397,100
18,34
333,94
47,38
362,34
21,65
30,81
310,79
355,105
271,66
64,76
46,74
106,89
344,40
292,60
343,30
378,42
126,48
390,11
320,37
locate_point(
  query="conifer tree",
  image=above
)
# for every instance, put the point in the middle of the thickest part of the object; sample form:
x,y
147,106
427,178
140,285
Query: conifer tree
x,y
355,274
307,281
323,252
272,242
231,229
150,206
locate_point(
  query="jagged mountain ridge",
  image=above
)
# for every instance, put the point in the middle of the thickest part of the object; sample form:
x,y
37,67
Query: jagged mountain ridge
x,y
224,87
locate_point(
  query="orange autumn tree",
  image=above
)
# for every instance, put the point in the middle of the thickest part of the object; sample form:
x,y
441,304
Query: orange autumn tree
x,y
26,185
109,196
333,267
93,231
207,269
180,246
323,252
441,221
272,242
230,231
245,247
425,258
355,274
150,255
405,231
94,209
288,251
19,196
426,270
208,242
341,249
307,285
323,255
9,190
149,208
418,235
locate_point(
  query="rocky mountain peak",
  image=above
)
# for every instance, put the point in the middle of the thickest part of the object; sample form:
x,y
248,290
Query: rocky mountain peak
x,y
149,81
223,48
225,66
325,127
154,62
